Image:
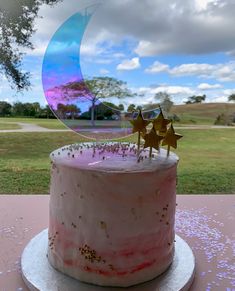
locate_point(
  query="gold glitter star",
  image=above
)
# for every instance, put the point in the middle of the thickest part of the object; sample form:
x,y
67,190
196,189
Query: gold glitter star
x,y
152,139
139,124
171,138
160,123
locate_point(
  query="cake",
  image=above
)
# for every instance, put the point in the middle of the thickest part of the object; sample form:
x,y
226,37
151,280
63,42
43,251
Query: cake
x,y
112,214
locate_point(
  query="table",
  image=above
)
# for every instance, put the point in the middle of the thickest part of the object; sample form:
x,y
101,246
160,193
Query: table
x,y
206,222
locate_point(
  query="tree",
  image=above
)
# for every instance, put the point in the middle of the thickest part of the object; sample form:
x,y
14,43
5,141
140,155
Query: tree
x,y
5,108
223,119
70,111
121,107
47,112
165,101
18,109
94,90
131,108
16,27
231,97
105,110
196,99
73,111
61,111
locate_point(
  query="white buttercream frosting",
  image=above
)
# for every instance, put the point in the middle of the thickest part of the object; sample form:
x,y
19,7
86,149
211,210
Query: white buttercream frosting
x,y
117,157
112,213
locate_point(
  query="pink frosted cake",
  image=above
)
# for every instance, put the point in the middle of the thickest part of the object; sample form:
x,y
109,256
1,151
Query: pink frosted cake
x,y
111,216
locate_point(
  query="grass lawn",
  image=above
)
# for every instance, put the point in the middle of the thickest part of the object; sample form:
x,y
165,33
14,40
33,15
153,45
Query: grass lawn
x,y
47,123
206,160
6,126
205,113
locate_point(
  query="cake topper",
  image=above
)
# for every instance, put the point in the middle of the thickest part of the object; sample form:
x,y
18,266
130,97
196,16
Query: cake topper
x,y
160,123
159,132
152,140
87,105
139,125
92,103
171,139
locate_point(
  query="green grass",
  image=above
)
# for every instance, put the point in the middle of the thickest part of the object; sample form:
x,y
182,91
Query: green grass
x,y
7,126
186,118
206,160
205,113
46,123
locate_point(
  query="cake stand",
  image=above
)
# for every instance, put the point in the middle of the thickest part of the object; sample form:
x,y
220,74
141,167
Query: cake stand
x,y
39,275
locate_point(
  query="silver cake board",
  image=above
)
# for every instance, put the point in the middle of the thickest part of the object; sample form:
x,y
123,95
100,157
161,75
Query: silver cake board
x,y
38,274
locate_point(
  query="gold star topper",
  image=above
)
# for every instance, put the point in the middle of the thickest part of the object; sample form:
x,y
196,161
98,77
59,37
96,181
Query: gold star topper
x,y
152,140
139,125
160,123
171,139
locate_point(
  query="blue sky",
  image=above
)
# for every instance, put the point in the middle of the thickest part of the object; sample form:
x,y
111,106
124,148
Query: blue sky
x,y
179,47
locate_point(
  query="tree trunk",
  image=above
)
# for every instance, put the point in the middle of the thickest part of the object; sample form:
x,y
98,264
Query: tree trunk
x,y
93,113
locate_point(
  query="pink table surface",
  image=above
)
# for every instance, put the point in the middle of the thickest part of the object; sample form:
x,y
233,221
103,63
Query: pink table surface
x,y
207,223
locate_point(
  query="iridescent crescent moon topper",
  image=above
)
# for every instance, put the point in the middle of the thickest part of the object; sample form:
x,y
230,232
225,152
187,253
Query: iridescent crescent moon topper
x,y
84,104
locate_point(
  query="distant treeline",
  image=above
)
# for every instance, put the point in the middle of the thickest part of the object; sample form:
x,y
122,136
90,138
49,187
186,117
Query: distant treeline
x,y
20,109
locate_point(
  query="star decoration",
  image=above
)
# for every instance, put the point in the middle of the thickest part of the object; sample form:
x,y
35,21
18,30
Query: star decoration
x,y
160,123
171,138
152,139
139,124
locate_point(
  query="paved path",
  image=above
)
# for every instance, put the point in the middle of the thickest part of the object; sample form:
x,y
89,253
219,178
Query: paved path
x,y
27,127
203,127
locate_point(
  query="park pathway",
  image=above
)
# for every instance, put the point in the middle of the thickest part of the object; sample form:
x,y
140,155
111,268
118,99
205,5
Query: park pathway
x,y
27,127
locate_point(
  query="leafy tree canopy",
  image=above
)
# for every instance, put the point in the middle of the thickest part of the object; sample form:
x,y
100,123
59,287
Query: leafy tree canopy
x,y
16,27
131,108
95,89
104,87
231,97
165,101
5,108
196,99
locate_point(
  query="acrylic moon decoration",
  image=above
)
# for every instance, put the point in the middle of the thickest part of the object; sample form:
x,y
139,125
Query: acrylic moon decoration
x,y
69,94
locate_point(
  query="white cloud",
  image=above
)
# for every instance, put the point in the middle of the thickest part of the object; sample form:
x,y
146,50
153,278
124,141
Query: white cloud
x,y
220,99
221,72
199,26
157,67
128,65
174,90
171,90
90,49
206,86
39,49
104,71
201,5
229,92
192,69
146,49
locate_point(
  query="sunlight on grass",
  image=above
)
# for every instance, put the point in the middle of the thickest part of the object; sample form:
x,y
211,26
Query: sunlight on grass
x,y
46,123
9,126
206,160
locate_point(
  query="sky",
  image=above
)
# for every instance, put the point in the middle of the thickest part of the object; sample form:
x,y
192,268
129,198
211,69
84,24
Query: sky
x,y
180,47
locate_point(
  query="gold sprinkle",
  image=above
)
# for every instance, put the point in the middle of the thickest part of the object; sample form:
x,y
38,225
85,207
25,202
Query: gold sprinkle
x,y
103,225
